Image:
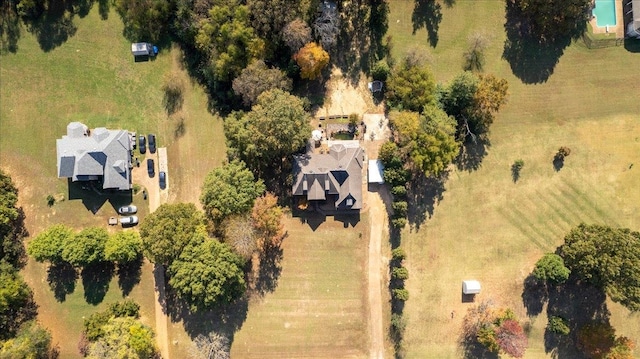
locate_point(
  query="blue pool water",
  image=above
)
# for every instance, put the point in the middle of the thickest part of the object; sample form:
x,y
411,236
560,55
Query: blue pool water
x,y
605,12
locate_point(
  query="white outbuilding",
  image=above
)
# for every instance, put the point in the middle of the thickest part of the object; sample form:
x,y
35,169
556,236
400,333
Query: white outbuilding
x,y
470,287
375,172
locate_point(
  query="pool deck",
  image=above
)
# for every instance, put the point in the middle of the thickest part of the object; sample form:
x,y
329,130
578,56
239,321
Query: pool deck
x,y
617,30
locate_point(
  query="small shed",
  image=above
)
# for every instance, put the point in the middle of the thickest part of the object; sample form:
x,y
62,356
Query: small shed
x,y
375,172
470,287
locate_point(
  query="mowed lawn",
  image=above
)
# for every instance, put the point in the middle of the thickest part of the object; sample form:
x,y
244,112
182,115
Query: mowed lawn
x,y
319,307
92,78
489,228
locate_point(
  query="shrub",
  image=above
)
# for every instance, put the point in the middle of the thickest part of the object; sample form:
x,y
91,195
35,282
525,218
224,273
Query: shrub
x,y
487,338
51,200
400,273
399,222
558,325
399,191
550,268
518,164
127,308
398,254
380,70
398,324
399,209
400,294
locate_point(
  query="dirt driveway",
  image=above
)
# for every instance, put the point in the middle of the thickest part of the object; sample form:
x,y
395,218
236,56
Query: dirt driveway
x,y
377,218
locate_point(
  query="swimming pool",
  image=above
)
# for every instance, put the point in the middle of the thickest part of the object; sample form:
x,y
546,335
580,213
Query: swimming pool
x,y
605,13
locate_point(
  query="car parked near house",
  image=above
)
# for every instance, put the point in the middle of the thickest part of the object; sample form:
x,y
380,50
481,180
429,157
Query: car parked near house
x,y
162,176
151,167
152,143
129,220
142,144
130,209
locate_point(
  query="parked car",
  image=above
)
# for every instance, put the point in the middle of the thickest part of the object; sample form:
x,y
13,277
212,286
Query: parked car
x,y
151,168
142,143
163,180
152,143
130,209
129,220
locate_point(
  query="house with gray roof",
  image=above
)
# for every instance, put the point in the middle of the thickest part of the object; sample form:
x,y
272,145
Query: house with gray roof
x,y
331,180
101,154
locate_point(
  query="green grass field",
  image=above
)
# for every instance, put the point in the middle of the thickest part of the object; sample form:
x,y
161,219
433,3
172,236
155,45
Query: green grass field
x,y
489,228
93,78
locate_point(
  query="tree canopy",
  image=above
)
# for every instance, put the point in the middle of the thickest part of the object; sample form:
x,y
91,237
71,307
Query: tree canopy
x,y
296,34
123,337
311,58
15,296
207,273
551,268
49,244
229,190
410,86
31,342
549,20
428,139
168,230
86,247
258,78
11,223
606,257
276,127
267,220
123,247
144,19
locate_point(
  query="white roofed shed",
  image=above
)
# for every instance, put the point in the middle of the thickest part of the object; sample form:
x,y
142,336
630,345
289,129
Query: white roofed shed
x,y
470,287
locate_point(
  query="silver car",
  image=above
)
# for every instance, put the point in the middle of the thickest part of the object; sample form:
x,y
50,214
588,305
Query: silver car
x,y
130,209
130,220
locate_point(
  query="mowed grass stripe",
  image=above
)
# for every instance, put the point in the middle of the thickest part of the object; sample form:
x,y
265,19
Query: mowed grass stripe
x,y
577,200
547,218
523,228
595,205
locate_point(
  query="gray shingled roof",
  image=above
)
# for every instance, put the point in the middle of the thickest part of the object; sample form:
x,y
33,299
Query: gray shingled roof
x,y
338,173
103,153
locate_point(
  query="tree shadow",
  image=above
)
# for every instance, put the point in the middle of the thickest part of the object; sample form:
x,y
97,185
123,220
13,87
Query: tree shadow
x,y
534,295
361,39
129,275
427,14
558,163
54,26
9,27
423,195
531,57
471,349
103,9
95,280
62,279
515,172
269,270
472,153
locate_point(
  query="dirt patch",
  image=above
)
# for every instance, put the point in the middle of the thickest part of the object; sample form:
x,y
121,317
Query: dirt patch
x,y
343,98
377,220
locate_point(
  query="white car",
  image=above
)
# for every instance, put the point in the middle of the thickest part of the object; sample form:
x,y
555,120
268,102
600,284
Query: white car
x,y
130,220
130,209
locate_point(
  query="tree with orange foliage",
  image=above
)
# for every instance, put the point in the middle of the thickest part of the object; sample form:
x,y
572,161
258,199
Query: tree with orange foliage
x,y
312,59
267,220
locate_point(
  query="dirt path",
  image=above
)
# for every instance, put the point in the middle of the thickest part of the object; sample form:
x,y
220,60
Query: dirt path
x,y
141,177
377,220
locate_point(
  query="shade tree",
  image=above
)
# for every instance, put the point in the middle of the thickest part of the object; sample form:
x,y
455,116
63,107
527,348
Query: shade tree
x,y
550,20
258,78
123,247
266,218
48,245
12,230
410,86
296,34
550,268
86,247
311,59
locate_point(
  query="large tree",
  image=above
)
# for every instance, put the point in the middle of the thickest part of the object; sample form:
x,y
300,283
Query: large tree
x,y
123,247
16,301
275,128
549,20
86,247
258,78
269,17
428,139
168,230
410,86
606,257
296,34
207,273
123,337
144,20
49,244
11,223
227,39
311,58
229,190
550,268
31,341
267,220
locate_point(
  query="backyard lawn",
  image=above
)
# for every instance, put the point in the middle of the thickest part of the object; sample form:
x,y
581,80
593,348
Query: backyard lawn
x,y
489,228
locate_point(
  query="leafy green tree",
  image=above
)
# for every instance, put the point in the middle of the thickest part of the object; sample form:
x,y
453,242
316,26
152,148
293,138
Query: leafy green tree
x,y
558,325
229,190
123,337
549,20
550,268
410,86
227,38
15,301
207,274
11,223
400,294
123,247
400,273
31,342
49,244
144,20
168,230
258,78
86,247
606,257
275,128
